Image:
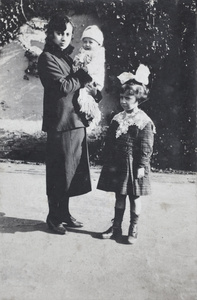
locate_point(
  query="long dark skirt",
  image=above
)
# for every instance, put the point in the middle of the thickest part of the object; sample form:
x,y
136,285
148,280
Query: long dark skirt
x,y
67,164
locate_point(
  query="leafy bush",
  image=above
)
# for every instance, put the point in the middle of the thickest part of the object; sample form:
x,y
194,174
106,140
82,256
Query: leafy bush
x,y
160,34
96,143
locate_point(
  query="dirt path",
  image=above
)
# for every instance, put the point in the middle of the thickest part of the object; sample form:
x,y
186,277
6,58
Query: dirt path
x,y
37,265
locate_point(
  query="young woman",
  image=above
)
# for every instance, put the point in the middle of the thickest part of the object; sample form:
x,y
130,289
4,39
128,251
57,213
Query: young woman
x,y
67,164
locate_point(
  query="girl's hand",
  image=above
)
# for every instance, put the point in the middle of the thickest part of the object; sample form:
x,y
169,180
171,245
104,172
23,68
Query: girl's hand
x,y
140,172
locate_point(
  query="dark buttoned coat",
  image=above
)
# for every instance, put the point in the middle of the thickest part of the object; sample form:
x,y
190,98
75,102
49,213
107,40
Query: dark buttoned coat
x,y
60,87
124,155
67,162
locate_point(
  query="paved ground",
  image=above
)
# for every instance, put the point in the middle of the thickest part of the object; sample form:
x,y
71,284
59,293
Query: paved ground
x,y
38,265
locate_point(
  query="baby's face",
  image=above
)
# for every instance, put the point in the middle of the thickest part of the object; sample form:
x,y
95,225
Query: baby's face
x,y
89,44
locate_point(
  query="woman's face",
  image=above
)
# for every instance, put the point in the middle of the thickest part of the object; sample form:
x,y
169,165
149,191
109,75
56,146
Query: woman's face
x,y
128,101
63,38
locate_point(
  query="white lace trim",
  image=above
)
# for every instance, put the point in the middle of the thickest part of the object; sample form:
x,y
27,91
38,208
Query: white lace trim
x,y
138,118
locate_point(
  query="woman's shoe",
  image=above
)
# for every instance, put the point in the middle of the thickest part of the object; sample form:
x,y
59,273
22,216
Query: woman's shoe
x,y
72,222
59,228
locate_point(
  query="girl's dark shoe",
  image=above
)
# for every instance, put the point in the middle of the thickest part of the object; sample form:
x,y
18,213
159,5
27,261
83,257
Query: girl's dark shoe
x,y
57,228
72,222
113,233
133,228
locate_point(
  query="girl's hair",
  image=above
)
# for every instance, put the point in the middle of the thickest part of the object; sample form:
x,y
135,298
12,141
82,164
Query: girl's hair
x,y
133,87
58,22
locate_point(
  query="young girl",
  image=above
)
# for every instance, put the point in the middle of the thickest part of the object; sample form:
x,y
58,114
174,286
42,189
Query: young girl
x,y
92,56
127,153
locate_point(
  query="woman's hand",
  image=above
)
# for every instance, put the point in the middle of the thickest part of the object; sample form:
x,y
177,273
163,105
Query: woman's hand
x,y
83,76
140,173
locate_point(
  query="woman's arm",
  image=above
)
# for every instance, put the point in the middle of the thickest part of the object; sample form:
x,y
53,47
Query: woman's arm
x,y
52,76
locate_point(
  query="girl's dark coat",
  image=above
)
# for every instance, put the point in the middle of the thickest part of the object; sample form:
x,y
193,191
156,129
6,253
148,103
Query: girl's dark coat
x,y
66,153
123,156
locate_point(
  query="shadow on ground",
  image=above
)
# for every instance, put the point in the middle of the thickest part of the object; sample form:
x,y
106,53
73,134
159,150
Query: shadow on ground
x,y
13,225
98,235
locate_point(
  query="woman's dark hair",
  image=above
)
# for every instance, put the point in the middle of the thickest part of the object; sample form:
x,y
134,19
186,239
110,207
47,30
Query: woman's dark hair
x,y
58,22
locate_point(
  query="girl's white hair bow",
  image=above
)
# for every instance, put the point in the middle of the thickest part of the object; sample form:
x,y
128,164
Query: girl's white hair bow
x,y
140,76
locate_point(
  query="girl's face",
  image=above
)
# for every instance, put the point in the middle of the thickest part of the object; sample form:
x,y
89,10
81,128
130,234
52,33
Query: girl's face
x,y
128,101
63,38
89,44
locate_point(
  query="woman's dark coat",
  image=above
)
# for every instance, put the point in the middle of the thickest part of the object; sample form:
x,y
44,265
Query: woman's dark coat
x,y
60,86
123,156
66,152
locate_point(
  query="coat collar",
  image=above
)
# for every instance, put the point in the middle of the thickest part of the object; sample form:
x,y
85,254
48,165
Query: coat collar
x,y
56,50
139,119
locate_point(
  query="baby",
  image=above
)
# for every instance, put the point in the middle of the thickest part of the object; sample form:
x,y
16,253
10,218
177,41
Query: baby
x,y
91,56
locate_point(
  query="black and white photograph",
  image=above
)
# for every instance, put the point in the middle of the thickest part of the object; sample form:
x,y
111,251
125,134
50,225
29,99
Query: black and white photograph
x,y
98,149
